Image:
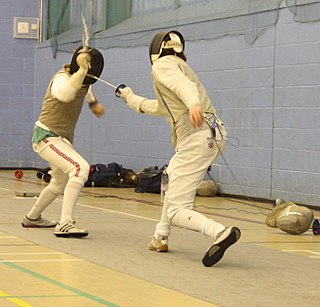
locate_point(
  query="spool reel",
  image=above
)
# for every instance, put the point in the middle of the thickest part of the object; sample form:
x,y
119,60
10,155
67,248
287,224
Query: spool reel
x,y
18,174
316,227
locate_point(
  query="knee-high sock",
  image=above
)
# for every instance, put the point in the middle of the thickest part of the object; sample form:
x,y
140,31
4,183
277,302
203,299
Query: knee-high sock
x,y
163,228
71,194
192,220
46,197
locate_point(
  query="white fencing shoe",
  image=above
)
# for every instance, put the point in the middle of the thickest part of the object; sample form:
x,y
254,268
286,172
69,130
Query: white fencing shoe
x,y
40,222
69,229
159,245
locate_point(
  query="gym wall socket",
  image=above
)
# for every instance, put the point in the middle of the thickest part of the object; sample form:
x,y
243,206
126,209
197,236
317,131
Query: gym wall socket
x,y
24,27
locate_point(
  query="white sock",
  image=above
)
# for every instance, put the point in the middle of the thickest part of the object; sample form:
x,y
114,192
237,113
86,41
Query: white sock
x,y
163,228
46,197
196,221
70,197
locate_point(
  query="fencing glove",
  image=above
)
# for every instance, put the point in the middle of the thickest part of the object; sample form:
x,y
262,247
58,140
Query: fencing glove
x,y
133,101
76,79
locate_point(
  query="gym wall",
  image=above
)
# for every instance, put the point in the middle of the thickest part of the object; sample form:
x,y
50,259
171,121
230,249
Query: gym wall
x,y
261,70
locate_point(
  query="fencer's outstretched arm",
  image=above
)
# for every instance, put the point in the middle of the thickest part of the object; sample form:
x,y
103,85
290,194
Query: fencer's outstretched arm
x,y
140,104
65,87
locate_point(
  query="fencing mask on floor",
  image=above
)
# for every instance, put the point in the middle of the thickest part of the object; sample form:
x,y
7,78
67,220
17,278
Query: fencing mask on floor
x,y
290,218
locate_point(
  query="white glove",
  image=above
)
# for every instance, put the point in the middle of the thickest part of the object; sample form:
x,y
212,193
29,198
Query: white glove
x,y
133,101
83,61
125,93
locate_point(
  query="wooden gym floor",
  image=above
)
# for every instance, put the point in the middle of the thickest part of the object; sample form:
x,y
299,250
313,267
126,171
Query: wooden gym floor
x,y
112,266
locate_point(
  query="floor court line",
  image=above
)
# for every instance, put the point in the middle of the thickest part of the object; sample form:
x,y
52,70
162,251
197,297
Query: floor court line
x,y
40,260
4,189
301,250
151,219
14,299
119,212
157,220
11,254
58,284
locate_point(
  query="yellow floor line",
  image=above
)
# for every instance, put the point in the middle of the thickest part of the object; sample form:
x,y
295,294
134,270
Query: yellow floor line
x,y
16,301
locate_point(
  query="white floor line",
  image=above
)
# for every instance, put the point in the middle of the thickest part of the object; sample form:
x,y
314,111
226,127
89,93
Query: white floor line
x,y
300,250
119,212
103,209
4,189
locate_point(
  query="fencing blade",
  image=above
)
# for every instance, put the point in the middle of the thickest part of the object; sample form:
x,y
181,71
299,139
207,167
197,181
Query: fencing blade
x,y
85,37
101,80
116,88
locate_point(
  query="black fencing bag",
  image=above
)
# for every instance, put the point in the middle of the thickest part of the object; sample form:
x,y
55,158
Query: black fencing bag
x,y
44,174
102,175
111,175
149,180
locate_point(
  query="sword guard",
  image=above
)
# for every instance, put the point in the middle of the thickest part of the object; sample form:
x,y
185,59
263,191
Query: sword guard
x,y
117,92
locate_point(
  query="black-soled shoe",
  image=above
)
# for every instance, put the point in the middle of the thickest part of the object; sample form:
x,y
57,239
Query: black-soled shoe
x,y
224,240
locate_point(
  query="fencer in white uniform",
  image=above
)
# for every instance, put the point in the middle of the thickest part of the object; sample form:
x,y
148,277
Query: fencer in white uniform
x,y
198,136
53,137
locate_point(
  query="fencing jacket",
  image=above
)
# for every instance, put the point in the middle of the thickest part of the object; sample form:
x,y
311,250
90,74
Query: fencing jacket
x,y
177,88
60,117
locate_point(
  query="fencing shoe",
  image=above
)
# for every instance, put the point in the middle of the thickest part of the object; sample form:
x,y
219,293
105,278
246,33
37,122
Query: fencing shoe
x,y
69,229
159,245
224,240
39,222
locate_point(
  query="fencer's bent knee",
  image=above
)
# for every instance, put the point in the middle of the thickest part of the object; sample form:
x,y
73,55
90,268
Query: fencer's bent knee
x,y
57,187
80,173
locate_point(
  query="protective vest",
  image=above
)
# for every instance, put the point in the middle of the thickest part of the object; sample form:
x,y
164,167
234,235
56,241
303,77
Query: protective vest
x,y
190,89
60,117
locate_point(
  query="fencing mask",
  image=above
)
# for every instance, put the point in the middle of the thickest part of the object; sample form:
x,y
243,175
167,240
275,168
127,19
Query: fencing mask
x,y
290,217
96,63
158,44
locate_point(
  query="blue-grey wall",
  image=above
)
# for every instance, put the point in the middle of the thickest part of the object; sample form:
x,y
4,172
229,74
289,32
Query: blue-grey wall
x,y
17,85
266,93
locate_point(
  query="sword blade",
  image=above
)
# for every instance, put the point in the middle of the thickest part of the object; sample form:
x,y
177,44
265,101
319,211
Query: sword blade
x,y
101,80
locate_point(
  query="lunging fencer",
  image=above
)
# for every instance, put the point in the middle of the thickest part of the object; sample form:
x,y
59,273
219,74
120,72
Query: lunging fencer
x,y
53,138
198,136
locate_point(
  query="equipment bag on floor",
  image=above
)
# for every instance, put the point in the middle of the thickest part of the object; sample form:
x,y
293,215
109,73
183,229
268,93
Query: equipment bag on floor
x,y
111,175
149,180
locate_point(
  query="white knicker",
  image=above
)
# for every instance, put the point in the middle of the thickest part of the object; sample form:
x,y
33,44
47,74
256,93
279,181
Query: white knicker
x,y
186,171
66,163
188,167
